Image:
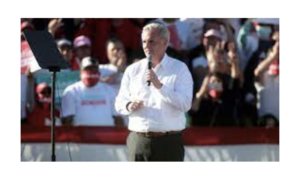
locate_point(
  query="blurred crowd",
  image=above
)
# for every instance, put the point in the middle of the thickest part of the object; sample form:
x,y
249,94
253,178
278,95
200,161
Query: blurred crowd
x,y
234,63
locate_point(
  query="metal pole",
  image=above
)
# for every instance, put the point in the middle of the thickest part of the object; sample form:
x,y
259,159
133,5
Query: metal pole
x,y
53,74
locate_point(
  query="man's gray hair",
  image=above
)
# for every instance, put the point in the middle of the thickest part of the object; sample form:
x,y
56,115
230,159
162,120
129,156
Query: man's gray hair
x,y
160,27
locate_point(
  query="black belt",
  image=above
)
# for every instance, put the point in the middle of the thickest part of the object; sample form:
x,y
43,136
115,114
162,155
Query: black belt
x,y
157,134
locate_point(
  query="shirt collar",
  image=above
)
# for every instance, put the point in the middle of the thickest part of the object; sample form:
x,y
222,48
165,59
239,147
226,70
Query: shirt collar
x,y
164,61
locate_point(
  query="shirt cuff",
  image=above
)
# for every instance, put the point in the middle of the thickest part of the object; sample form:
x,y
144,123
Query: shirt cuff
x,y
127,112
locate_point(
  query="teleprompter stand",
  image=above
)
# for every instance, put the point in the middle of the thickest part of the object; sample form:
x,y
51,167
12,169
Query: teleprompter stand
x,y
48,57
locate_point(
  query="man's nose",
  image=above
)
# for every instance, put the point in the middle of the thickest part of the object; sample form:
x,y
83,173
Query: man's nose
x,y
115,51
64,52
146,45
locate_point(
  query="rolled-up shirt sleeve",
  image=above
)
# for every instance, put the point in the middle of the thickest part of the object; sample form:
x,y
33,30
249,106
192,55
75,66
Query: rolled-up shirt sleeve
x,y
181,96
123,97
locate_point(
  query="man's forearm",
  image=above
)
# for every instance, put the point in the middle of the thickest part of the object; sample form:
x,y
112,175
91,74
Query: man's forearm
x,y
262,67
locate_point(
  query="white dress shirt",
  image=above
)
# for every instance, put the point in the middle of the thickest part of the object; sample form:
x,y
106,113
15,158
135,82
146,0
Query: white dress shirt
x,y
107,70
164,109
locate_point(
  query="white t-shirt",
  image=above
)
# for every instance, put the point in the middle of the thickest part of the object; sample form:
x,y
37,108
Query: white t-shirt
x,y
268,95
24,81
199,61
107,70
90,106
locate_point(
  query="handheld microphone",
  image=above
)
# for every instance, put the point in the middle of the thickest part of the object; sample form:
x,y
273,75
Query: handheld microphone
x,y
149,67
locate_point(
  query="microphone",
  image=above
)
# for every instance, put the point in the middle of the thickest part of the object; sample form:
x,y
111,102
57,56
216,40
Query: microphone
x,y
149,58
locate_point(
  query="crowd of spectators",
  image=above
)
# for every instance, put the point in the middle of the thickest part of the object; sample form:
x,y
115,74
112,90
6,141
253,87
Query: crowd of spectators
x,y
234,63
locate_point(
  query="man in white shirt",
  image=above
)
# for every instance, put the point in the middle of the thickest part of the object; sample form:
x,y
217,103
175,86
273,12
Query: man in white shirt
x,y
112,73
88,102
156,111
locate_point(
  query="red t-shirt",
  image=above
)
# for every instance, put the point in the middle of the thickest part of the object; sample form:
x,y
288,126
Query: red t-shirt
x,y
39,116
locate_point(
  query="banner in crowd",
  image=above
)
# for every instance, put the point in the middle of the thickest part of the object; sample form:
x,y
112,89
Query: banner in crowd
x,y
26,57
63,79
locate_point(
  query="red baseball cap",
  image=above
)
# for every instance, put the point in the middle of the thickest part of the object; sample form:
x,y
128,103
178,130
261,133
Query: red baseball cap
x,y
26,25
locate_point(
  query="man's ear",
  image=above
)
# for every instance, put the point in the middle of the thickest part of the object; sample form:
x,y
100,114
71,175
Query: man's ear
x,y
165,43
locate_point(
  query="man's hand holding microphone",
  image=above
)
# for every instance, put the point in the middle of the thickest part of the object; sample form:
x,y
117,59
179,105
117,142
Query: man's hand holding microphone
x,y
150,78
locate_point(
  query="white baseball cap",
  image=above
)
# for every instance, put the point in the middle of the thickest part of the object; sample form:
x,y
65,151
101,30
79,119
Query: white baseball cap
x,y
88,61
213,32
63,42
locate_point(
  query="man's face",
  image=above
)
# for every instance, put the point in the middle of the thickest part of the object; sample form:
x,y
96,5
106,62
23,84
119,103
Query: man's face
x,y
44,97
45,93
66,52
83,51
112,51
90,76
153,44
